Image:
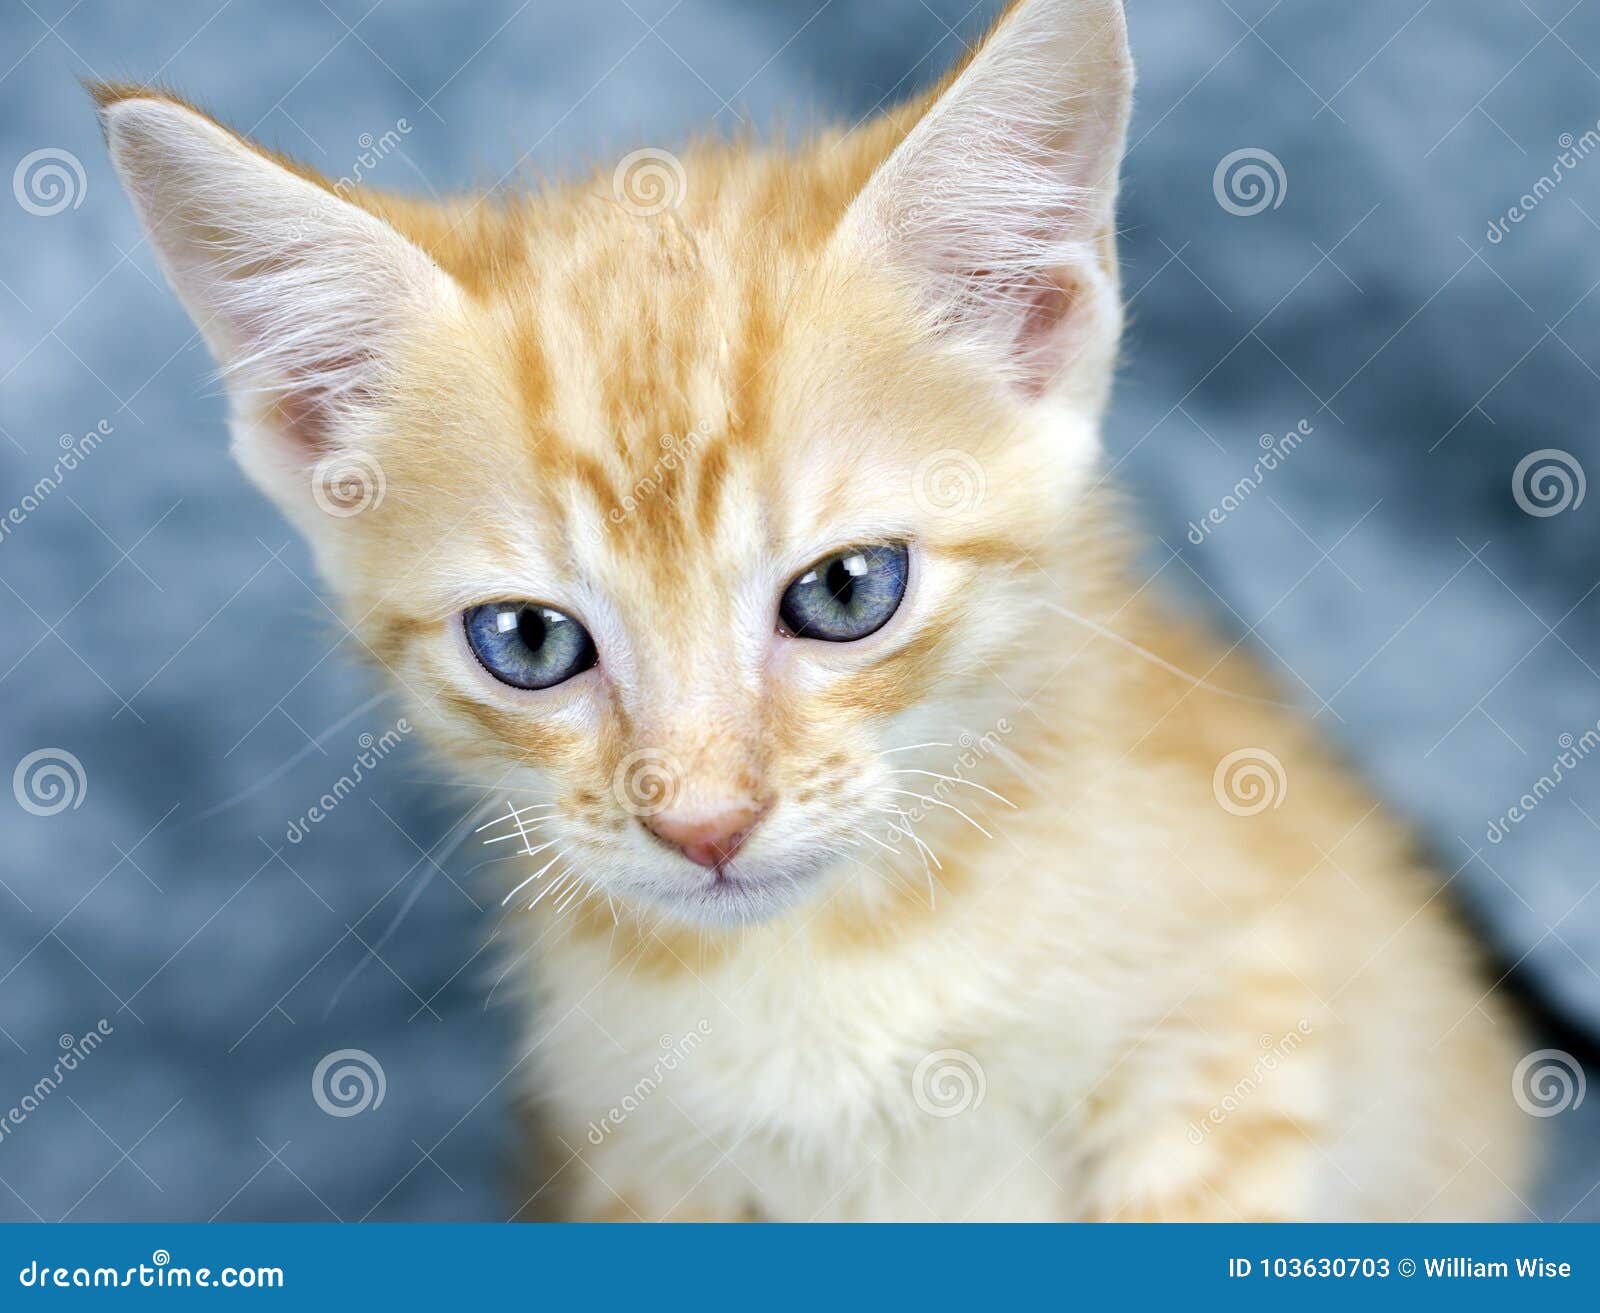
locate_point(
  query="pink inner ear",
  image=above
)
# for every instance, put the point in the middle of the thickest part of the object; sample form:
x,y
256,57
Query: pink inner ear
x,y
1042,343
305,407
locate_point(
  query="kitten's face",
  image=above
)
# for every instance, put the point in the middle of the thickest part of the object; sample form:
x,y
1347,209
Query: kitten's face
x,y
657,456
690,532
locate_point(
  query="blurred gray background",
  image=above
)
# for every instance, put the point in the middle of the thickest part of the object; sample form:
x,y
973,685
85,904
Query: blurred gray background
x,y
159,624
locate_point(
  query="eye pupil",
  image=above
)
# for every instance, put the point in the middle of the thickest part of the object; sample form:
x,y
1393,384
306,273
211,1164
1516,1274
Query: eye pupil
x,y
841,583
531,628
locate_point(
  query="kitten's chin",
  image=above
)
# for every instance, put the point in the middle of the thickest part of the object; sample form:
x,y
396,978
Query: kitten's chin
x,y
732,896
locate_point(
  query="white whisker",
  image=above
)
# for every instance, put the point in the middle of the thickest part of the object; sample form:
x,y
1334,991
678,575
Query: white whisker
x,y
554,883
1160,662
949,806
956,779
535,876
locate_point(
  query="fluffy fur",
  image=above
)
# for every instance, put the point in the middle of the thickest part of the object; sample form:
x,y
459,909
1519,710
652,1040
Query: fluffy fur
x,y
1004,945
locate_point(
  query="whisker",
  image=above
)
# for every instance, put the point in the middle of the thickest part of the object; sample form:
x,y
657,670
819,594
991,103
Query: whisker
x,y
950,806
577,887
1162,663
554,883
956,779
912,747
515,813
910,833
522,832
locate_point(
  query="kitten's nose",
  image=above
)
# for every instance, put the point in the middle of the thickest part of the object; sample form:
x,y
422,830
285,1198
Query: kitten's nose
x,y
708,837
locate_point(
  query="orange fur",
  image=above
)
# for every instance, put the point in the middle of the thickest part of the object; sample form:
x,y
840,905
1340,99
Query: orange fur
x,y
653,422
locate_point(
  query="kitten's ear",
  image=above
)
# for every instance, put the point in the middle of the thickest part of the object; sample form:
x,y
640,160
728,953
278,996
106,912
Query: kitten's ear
x,y
302,296
999,204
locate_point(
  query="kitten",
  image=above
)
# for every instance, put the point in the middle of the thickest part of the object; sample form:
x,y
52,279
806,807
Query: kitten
x,y
883,860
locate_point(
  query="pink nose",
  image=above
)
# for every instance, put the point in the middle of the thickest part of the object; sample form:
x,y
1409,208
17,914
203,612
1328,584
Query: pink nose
x,y
706,837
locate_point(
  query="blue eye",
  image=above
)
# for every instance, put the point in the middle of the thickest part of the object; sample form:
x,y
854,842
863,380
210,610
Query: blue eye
x,y
527,645
846,596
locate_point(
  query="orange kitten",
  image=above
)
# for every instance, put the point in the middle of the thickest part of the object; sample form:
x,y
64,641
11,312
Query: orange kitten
x,y
882,862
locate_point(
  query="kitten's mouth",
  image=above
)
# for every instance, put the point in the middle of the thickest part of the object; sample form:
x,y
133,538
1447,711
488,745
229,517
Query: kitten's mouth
x,y
736,893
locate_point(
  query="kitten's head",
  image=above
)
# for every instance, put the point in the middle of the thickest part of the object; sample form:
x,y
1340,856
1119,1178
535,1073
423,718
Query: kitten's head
x,y
685,525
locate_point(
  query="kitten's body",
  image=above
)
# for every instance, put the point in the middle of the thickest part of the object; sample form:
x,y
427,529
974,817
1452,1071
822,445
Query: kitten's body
x,y
1171,1011
1115,994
